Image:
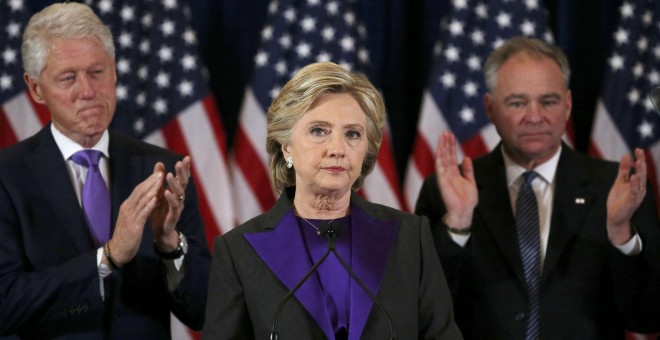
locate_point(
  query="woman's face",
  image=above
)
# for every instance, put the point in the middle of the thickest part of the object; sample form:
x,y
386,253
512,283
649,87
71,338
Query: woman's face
x,y
328,145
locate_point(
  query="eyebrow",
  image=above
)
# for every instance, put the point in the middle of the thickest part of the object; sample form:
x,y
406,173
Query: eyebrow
x,y
345,126
523,96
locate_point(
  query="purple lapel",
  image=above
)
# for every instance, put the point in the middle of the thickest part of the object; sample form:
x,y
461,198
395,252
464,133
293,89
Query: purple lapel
x,y
284,252
372,244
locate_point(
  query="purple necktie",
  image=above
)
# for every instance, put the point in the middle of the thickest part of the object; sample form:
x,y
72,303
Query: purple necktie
x,y
95,196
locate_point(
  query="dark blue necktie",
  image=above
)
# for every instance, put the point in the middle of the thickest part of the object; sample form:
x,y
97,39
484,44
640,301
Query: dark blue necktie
x,y
529,242
95,196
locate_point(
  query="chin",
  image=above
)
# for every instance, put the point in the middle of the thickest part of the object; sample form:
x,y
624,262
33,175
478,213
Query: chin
x,y
334,187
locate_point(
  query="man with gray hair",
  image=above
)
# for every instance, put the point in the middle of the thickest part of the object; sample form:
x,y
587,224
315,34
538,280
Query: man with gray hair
x,y
100,235
537,240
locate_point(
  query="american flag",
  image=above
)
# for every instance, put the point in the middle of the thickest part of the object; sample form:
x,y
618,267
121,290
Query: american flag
x,y
625,118
19,118
295,34
454,96
162,94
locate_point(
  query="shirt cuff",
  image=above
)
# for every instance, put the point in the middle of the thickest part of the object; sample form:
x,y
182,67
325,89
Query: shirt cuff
x,y
104,271
174,272
632,247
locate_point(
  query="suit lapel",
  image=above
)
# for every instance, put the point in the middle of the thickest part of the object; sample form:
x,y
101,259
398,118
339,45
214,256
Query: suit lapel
x,y
372,243
495,208
130,166
571,202
126,172
283,250
49,171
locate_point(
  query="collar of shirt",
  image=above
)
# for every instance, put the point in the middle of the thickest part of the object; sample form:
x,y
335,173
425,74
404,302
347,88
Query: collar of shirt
x,y
546,170
68,147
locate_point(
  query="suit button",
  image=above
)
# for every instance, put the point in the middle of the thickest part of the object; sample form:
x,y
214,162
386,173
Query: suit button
x,y
519,317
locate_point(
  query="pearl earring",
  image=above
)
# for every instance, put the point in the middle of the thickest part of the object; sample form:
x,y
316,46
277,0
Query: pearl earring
x,y
289,162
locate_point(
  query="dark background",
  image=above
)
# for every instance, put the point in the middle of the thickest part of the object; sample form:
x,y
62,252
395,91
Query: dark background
x,y
401,36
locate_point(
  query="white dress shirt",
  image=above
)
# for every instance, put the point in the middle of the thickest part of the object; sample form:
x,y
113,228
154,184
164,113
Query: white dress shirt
x,y
78,175
544,189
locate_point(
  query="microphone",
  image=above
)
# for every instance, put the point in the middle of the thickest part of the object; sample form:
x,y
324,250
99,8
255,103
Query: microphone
x,y
334,230
655,98
331,244
331,232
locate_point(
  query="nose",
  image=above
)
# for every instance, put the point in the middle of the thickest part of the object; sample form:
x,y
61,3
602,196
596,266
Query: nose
x,y
86,87
534,113
336,146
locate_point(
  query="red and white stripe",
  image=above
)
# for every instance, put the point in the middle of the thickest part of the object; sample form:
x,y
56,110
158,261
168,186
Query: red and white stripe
x,y
253,193
382,185
20,118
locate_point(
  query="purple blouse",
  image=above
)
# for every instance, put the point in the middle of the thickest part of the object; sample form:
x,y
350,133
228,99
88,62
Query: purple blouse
x,y
334,280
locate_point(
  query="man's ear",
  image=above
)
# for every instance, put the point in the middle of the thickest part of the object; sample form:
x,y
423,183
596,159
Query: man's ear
x,y
34,88
488,105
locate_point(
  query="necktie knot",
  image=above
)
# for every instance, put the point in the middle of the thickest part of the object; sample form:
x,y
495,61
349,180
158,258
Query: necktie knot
x,y
529,176
87,158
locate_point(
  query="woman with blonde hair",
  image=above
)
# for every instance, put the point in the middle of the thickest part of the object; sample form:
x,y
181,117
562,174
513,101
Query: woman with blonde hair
x,y
324,132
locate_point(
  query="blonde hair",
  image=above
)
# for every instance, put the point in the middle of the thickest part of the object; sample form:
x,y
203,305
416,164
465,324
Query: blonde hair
x,y
60,21
295,99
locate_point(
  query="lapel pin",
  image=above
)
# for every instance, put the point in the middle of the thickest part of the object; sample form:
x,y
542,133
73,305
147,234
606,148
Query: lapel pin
x,y
579,200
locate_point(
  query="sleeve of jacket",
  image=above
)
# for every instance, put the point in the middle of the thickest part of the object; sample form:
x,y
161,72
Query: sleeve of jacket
x,y
64,296
452,256
434,298
189,299
637,278
226,309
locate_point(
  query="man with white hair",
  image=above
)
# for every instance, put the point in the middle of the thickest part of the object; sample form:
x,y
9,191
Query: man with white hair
x,y
97,238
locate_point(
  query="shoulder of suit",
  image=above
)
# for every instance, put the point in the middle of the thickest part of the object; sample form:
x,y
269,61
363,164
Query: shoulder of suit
x,y
382,212
140,146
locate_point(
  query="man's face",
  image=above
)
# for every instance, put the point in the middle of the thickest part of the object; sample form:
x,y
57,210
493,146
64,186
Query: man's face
x,y
77,84
529,106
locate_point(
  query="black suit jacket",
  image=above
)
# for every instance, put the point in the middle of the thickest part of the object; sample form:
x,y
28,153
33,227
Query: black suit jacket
x,y
256,264
589,289
49,282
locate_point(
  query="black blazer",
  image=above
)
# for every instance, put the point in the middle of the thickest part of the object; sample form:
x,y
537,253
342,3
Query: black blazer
x,y
49,282
589,289
256,264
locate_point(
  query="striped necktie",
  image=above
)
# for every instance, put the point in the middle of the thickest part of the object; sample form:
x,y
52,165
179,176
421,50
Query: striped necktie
x,y
529,242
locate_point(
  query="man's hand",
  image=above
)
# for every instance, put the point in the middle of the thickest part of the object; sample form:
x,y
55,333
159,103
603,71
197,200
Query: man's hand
x,y
625,197
133,214
458,191
170,205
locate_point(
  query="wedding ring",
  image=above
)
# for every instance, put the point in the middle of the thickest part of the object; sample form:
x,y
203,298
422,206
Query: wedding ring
x,y
180,198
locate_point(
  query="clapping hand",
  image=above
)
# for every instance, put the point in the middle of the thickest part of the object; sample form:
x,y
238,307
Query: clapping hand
x,y
625,197
170,205
458,190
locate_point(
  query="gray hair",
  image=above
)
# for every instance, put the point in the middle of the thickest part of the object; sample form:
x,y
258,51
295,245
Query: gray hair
x,y
60,21
532,47
299,94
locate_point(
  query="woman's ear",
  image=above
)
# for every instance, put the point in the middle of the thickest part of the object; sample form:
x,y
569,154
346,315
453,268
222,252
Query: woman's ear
x,y
285,150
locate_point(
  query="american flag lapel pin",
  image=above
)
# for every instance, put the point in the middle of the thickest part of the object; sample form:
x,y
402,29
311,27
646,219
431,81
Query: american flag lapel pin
x,y
579,200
